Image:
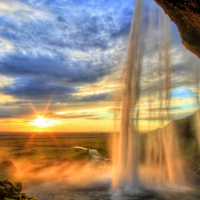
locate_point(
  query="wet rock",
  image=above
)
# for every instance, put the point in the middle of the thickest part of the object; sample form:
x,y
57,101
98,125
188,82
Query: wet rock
x,y
12,191
23,196
6,188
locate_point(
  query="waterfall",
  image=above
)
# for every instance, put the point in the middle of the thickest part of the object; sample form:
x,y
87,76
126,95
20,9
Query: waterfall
x,y
160,164
126,174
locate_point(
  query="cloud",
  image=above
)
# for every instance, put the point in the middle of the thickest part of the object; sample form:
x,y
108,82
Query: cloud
x,y
14,111
60,46
34,88
55,49
41,90
95,97
69,25
92,30
52,67
73,115
23,12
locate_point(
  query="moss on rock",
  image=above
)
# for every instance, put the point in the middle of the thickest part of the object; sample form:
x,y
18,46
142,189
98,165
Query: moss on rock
x,y
186,15
12,191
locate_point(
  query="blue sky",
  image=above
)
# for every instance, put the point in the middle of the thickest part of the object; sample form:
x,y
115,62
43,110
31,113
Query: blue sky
x,y
68,54
61,42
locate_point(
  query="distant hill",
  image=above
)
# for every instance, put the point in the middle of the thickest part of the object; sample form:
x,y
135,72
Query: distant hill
x,y
186,129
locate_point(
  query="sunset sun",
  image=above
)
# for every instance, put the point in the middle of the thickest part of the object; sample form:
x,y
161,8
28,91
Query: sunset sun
x,y
43,122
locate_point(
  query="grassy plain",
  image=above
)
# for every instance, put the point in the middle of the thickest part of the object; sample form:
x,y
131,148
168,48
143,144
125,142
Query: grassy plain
x,y
38,150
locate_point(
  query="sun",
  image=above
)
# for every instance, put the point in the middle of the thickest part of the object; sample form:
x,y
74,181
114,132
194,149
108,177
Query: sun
x,y
43,122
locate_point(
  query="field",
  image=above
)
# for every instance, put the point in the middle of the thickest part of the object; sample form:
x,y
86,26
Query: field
x,y
61,166
34,151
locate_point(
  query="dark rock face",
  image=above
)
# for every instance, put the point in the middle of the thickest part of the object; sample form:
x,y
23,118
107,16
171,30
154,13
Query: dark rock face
x,y
186,15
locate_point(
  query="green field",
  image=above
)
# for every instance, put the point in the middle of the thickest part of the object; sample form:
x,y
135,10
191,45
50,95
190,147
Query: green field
x,y
34,151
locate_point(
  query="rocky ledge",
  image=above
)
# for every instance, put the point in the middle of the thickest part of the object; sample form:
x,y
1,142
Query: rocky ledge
x,y
186,15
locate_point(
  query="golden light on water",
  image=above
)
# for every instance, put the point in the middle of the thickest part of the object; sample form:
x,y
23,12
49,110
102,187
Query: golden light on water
x,y
43,122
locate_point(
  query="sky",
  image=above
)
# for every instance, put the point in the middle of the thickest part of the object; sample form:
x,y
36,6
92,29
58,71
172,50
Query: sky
x,y
61,64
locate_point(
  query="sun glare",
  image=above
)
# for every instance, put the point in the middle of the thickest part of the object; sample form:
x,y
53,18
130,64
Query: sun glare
x,y
43,122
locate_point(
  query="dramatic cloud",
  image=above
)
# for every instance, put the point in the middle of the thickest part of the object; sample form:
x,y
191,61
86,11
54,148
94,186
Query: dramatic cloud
x,y
52,67
35,88
71,54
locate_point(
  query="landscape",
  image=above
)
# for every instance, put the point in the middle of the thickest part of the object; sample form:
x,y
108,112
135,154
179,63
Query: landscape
x,y
99,100
39,158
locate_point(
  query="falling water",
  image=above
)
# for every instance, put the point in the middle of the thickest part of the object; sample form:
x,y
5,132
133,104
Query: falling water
x,y
197,114
126,174
159,165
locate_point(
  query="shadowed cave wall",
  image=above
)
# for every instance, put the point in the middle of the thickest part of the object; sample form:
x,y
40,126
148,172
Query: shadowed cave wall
x,y
186,15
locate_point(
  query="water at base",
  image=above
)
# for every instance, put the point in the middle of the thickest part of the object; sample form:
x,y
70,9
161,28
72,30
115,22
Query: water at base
x,y
160,165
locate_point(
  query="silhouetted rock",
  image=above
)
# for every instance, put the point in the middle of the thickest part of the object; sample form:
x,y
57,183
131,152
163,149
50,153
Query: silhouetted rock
x,y
8,166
